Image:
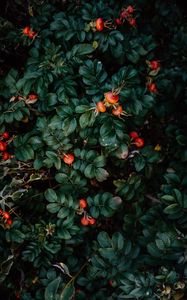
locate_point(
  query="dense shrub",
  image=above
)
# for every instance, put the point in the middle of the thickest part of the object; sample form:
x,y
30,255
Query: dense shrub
x,y
93,151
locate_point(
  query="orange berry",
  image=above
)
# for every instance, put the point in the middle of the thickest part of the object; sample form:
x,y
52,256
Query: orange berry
x,y
68,158
83,203
92,221
3,146
99,24
31,34
117,111
101,107
6,215
84,221
26,30
139,142
111,98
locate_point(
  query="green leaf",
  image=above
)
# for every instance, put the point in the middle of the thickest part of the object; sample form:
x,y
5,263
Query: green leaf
x,y
50,195
68,291
52,288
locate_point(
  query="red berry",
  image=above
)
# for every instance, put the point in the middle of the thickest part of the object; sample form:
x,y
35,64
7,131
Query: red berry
x,y
117,111
5,135
6,156
92,221
152,87
3,146
123,14
132,22
101,107
99,24
84,221
6,215
26,30
33,96
139,142
111,98
83,203
118,21
154,64
68,158
9,221
130,9
133,134
31,34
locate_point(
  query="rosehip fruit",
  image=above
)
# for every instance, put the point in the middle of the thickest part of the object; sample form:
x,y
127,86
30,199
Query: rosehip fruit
x,y
132,22
133,134
92,221
117,111
26,30
68,158
111,98
152,87
83,203
139,142
101,107
5,135
84,221
6,215
6,156
154,64
99,24
3,146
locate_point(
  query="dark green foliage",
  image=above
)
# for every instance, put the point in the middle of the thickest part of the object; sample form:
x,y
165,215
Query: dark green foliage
x,y
135,244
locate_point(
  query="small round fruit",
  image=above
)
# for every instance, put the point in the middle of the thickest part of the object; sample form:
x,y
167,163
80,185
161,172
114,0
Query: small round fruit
x,y
9,221
68,158
139,142
3,146
31,34
26,30
84,221
101,107
117,111
5,135
6,215
152,87
83,203
133,135
130,9
154,64
33,97
118,21
6,156
92,221
99,24
111,98
132,22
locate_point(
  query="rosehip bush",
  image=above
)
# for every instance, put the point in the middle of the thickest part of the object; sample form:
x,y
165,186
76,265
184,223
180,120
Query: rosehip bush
x,y
93,190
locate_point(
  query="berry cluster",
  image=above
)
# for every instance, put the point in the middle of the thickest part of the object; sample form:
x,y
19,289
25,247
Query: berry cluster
x,y
3,145
126,14
86,220
111,98
153,69
6,217
137,141
29,32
